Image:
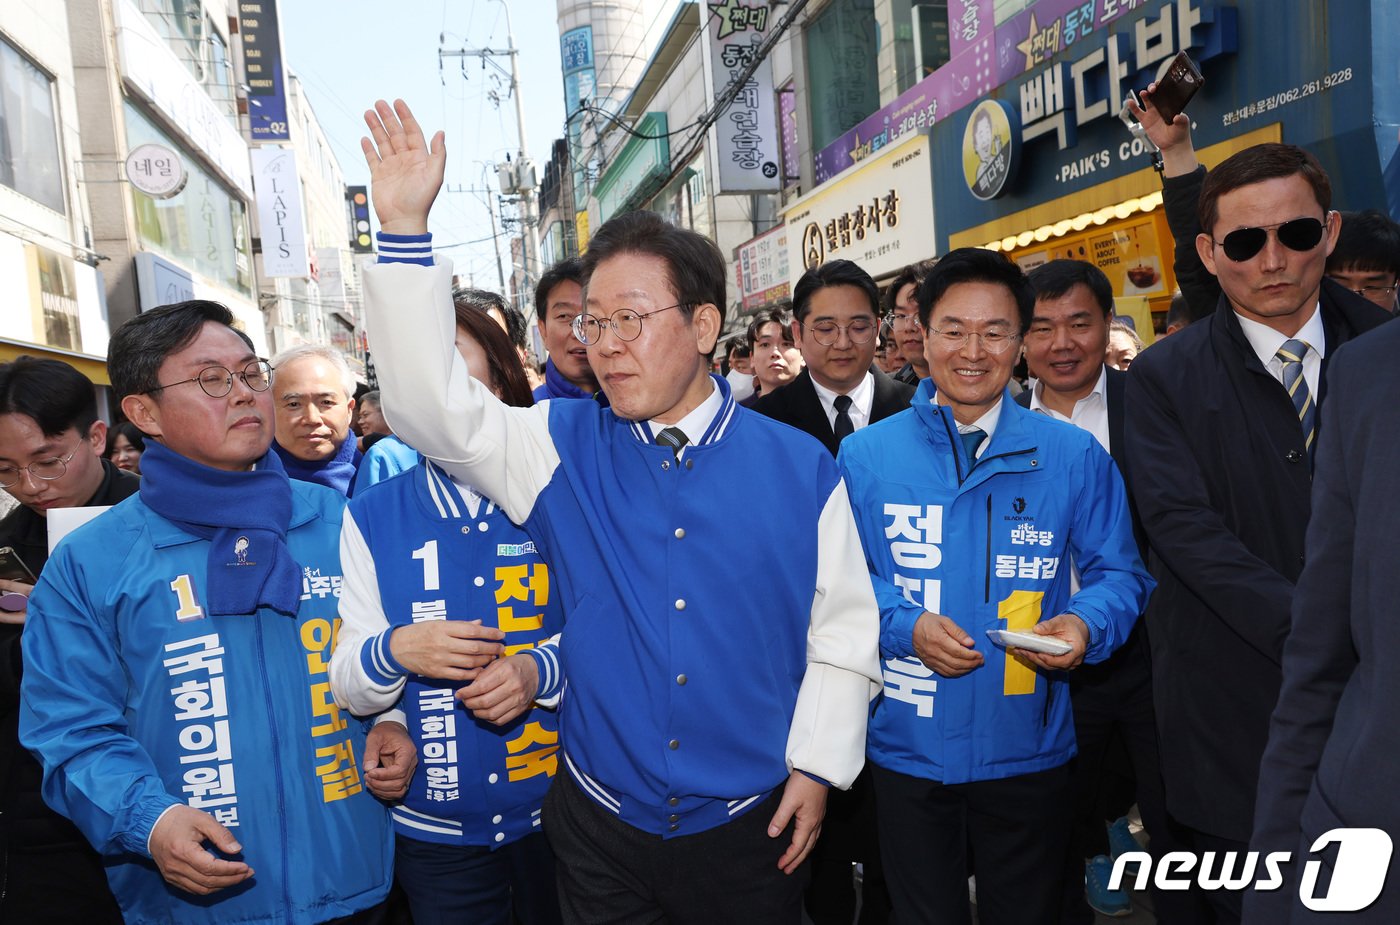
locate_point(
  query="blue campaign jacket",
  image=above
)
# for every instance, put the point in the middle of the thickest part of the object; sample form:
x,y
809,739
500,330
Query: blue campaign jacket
x,y
134,700
990,547
387,458
476,783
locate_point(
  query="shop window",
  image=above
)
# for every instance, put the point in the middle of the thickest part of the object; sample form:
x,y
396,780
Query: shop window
x,y
920,39
204,228
29,161
843,78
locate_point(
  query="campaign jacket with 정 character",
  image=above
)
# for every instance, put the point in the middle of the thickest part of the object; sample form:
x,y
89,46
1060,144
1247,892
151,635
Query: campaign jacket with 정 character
x,y
136,699
991,546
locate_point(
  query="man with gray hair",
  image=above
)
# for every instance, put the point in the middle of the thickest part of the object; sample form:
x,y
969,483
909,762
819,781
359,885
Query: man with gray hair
x,y
313,399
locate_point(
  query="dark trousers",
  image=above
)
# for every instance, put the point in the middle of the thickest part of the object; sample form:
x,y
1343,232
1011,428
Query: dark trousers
x,y
610,872
1113,711
451,884
1213,907
374,915
848,837
56,886
1017,829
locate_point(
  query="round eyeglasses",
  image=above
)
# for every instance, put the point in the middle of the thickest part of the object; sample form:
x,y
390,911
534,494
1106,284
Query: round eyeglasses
x,y
626,324
992,341
217,381
827,333
47,469
893,322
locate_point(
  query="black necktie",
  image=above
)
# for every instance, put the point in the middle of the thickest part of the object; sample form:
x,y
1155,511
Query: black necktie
x,y
844,425
673,437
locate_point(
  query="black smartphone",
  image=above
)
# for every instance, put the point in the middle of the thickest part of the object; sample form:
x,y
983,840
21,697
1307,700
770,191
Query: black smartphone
x,y
12,567
1176,88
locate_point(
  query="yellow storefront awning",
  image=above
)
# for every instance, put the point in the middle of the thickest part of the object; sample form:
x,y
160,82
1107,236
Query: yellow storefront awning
x,y
95,368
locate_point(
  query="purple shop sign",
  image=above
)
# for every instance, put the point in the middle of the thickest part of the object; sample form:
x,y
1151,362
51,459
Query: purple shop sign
x,y
979,65
787,123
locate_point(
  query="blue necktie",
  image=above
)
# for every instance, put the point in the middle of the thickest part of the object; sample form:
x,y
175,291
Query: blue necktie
x,y
1291,355
971,441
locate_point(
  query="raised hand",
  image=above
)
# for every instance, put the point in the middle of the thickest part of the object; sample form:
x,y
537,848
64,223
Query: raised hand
x,y
1173,138
405,173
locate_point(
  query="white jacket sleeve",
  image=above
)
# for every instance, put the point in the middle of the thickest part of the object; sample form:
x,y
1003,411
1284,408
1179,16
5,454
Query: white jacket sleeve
x,y
432,402
364,634
827,737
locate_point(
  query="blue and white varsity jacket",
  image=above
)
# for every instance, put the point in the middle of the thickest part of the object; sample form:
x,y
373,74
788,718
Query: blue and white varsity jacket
x,y
701,663
417,547
990,546
134,700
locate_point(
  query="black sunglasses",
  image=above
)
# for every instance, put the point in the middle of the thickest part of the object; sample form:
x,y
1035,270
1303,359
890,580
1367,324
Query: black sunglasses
x,y
1301,234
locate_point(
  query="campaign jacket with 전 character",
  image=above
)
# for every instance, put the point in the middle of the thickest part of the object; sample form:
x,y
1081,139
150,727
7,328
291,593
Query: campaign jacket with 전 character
x,y
418,547
135,700
990,546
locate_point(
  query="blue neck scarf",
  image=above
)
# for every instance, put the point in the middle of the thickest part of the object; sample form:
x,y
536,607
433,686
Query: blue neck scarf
x,y
244,515
336,472
556,386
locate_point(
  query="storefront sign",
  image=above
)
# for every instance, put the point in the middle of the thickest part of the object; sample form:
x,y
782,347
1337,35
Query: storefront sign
x,y
880,216
156,171
160,282
153,71
280,212
989,148
761,266
984,59
262,67
747,140
1130,255
639,168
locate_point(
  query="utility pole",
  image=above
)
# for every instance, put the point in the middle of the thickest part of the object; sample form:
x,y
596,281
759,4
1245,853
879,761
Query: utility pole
x,y
524,179
486,194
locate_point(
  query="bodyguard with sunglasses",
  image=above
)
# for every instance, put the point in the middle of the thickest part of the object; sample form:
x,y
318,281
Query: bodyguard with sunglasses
x,y
176,684
1220,452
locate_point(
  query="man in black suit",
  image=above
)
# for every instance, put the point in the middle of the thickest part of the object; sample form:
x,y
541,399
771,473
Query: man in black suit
x,y
902,316
1220,447
1113,699
836,306
1332,750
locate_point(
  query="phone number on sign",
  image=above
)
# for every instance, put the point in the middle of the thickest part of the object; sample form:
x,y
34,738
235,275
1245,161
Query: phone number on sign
x,y
1249,111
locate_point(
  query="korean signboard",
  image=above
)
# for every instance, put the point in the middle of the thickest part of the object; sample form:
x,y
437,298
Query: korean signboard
x,y
761,269
746,135
880,215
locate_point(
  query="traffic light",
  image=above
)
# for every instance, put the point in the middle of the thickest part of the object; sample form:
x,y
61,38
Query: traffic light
x,y
361,241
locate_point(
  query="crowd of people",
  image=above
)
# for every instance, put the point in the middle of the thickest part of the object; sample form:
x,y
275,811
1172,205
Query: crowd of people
x,y
891,604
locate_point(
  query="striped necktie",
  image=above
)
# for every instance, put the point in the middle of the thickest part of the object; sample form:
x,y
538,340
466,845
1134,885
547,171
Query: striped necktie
x,y
673,437
1291,356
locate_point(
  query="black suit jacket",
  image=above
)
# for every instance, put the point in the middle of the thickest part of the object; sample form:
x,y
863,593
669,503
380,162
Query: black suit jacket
x,y
1333,750
1126,669
1221,479
797,404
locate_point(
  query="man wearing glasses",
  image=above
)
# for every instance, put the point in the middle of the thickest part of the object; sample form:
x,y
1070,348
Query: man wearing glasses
x,y
711,698
176,687
1220,456
51,445
902,320
974,513
836,307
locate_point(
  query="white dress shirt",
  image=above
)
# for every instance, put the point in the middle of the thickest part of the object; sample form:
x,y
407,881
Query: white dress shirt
x,y
1089,413
1266,341
862,398
694,424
